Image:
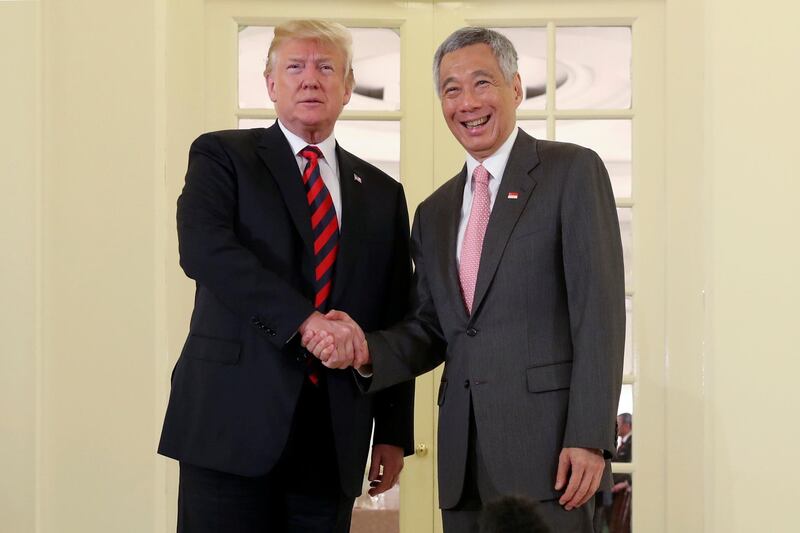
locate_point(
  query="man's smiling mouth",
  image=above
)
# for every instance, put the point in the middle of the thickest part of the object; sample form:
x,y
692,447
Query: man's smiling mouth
x,y
471,124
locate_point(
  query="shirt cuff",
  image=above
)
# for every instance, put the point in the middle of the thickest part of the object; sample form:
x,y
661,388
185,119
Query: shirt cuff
x,y
365,371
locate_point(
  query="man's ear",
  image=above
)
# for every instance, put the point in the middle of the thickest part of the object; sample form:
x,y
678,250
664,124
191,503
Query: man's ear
x,y
270,81
349,84
518,95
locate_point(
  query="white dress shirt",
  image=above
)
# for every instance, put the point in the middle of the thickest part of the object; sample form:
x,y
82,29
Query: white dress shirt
x,y
496,165
328,166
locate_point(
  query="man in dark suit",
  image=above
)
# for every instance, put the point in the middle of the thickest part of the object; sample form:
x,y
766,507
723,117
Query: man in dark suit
x,y
519,290
624,449
623,483
276,226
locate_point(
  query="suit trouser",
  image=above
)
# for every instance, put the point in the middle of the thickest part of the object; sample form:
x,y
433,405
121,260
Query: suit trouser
x,y
479,490
301,494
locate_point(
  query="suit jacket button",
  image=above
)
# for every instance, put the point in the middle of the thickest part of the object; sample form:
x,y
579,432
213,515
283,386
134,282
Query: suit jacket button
x,y
471,332
466,383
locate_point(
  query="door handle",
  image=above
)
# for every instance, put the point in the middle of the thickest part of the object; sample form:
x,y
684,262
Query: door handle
x,y
421,449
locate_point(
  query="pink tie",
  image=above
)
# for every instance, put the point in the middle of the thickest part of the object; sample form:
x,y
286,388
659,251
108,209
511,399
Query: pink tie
x,y
473,237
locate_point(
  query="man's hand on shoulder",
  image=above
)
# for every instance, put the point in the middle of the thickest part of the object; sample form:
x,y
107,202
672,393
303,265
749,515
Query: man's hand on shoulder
x,y
585,468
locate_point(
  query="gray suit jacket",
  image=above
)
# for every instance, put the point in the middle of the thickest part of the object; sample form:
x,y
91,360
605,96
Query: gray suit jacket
x,y
541,355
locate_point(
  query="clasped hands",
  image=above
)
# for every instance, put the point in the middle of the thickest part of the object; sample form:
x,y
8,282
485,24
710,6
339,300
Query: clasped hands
x,y
335,339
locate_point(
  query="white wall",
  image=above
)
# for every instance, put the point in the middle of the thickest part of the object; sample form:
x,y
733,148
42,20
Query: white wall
x,y
753,325
19,230
101,159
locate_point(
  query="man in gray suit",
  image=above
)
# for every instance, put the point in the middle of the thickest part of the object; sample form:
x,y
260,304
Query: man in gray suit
x,y
519,290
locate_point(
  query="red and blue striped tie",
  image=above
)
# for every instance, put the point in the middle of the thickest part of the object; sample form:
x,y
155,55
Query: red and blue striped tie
x,y
325,228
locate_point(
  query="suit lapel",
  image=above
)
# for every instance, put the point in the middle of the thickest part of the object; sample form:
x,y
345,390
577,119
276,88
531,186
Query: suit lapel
x,y
449,217
276,153
506,211
350,236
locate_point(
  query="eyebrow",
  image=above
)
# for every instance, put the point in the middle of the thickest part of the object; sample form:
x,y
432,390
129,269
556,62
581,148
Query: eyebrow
x,y
446,81
482,73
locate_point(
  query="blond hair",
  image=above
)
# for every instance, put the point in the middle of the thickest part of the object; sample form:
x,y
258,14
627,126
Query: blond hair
x,y
322,31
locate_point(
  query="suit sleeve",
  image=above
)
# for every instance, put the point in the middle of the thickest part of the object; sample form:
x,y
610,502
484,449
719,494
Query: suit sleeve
x,y
212,254
415,345
394,406
594,276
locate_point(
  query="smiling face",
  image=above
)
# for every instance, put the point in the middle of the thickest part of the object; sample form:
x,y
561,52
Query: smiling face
x,y
478,103
308,84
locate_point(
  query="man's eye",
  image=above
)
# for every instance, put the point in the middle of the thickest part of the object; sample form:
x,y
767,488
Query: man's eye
x,y
293,66
482,82
450,90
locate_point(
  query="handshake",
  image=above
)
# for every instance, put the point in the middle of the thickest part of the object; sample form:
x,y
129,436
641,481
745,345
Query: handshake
x,y
335,339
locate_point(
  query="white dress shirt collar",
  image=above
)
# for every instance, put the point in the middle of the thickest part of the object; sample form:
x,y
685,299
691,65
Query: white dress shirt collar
x,y
327,147
495,163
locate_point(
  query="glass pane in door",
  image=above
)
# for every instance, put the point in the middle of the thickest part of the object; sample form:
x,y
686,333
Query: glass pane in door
x,y
624,451
595,65
376,141
625,215
627,367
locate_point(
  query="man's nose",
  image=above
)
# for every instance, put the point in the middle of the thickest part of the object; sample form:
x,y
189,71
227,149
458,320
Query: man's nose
x,y
468,100
310,79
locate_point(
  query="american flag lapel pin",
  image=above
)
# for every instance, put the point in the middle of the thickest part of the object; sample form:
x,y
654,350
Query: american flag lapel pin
x,y
513,195
357,178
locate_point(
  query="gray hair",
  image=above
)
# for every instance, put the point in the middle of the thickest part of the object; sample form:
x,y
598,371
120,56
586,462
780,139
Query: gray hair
x,y
502,48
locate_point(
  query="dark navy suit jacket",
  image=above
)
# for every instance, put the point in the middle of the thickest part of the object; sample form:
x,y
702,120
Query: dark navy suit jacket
x,y
245,237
